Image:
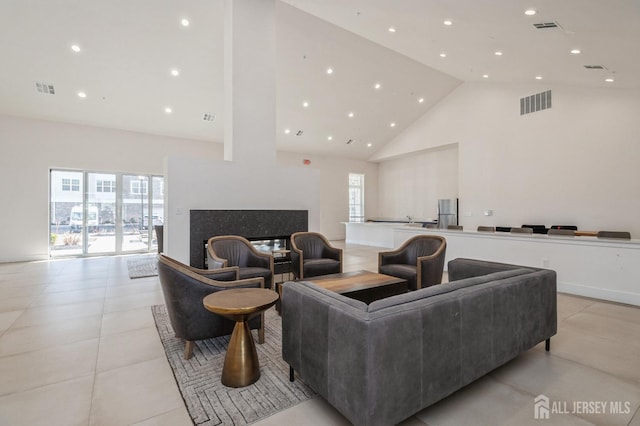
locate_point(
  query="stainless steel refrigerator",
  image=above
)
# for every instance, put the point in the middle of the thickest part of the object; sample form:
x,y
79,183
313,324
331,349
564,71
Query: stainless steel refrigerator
x,y
447,213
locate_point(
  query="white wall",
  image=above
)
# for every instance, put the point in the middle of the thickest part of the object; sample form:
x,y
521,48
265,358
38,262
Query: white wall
x,y
334,188
411,185
30,148
192,183
576,163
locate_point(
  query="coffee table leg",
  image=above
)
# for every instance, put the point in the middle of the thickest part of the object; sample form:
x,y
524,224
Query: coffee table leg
x,y
241,366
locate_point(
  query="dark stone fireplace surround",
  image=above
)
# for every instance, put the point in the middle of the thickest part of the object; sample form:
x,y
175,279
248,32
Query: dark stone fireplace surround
x,y
251,224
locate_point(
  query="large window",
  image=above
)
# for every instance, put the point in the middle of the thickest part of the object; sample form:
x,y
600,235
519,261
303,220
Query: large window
x,y
104,213
356,197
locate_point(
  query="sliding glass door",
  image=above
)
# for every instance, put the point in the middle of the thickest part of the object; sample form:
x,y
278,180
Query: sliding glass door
x,y
104,213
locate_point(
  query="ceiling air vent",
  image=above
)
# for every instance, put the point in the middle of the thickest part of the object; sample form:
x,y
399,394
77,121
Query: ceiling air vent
x,y
536,102
546,25
299,133
45,88
595,67
208,117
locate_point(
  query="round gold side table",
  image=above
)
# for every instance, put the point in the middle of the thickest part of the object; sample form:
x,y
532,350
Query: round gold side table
x,y
241,366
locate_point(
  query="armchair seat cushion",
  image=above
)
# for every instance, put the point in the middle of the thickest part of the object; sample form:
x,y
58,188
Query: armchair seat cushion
x,y
255,272
400,270
316,267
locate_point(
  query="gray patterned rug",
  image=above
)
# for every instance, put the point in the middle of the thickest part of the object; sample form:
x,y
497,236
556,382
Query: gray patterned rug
x,y
144,266
208,401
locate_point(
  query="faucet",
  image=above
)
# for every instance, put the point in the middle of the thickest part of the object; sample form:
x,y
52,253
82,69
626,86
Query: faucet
x,y
410,220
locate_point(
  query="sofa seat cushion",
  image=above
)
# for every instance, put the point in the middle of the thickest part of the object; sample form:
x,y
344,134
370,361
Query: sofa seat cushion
x,y
316,267
406,272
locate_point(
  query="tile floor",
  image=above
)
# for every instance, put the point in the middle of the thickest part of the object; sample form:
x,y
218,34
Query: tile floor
x,y
78,346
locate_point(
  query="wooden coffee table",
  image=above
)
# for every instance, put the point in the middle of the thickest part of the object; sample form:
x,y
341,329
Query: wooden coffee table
x,y
361,285
241,366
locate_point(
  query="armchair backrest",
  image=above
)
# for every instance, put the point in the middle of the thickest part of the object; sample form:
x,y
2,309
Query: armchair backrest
x,y
312,244
422,246
183,291
236,250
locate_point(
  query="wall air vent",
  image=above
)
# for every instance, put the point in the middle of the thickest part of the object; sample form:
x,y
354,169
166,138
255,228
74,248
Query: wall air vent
x,y
350,141
299,133
595,67
536,102
208,117
546,25
45,88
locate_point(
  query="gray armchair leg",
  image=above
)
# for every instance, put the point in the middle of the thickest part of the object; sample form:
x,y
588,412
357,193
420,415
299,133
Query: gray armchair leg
x,y
188,348
547,344
291,374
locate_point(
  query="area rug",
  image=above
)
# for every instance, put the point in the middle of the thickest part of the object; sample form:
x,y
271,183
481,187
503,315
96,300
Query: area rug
x,y
208,401
141,267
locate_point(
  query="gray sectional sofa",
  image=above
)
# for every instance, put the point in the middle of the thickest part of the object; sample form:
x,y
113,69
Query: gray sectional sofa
x,y
380,363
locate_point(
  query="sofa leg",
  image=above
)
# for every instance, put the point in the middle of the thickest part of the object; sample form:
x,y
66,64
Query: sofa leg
x,y
291,373
547,344
188,349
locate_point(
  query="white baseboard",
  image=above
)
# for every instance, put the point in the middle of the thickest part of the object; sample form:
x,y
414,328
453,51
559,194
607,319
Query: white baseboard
x,y
600,293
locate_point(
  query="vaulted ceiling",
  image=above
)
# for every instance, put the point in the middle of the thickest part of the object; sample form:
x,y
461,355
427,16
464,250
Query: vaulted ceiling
x,y
389,61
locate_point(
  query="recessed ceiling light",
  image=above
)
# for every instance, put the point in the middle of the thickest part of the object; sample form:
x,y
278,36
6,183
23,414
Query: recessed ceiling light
x,y
576,51
175,72
421,100
443,55
329,70
351,115
369,145
82,95
448,22
530,12
305,104
392,29
377,86
287,131
538,77
168,110
184,22
609,80
498,53
75,48
329,138
485,75
393,124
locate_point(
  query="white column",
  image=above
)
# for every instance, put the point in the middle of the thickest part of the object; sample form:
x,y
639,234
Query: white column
x,y
250,82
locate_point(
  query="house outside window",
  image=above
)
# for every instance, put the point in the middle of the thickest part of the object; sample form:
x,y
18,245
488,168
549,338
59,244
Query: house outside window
x,y
71,185
105,186
139,187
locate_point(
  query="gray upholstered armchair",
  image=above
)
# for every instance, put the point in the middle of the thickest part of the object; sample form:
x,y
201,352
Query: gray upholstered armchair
x,y
312,255
232,250
184,288
420,261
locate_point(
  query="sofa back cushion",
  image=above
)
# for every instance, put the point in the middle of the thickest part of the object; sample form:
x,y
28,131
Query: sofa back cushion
x,y
444,288
461,268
